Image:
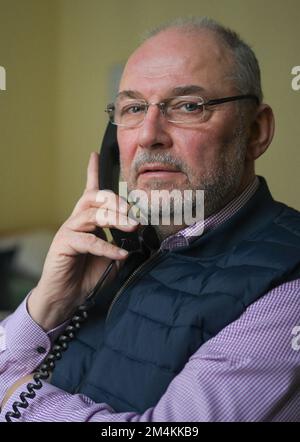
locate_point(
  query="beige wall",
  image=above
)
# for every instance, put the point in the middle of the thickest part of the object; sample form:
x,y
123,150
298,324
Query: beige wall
x,y
28,51
58,55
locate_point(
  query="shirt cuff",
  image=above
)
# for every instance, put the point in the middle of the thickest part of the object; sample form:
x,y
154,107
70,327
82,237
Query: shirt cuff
x,y
13,398
24,346
49,406
23,334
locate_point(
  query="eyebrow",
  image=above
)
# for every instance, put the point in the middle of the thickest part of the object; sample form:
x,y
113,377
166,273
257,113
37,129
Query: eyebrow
x,y
179,90
129,94
188,89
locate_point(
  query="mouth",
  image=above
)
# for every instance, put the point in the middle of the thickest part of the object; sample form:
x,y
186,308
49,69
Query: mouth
x,y
158,171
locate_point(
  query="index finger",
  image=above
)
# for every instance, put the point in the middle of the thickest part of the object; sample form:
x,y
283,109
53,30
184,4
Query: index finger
x,y
92,182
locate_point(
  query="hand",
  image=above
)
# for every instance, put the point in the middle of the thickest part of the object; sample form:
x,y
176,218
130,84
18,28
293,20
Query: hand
x,y
77,257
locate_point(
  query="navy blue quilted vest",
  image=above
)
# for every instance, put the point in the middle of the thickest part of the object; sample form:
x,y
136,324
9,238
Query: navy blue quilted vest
x,y
126,356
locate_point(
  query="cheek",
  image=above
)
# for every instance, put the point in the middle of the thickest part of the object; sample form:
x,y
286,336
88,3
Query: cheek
x,y
201,150
197,147
212,138
127,148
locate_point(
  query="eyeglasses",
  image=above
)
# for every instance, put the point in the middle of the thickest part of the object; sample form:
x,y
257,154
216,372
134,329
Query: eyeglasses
x,y
130,112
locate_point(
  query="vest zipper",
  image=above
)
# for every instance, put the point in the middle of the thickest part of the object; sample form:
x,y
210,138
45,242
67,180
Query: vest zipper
x,y
129,280
119,292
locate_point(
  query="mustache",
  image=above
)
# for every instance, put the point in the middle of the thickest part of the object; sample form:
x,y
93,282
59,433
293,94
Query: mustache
x,y
162,158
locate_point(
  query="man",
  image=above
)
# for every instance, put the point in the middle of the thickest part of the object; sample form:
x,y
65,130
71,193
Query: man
x,y
204,330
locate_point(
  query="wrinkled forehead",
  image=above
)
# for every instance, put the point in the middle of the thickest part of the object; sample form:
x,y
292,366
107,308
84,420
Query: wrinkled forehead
x,y
173,57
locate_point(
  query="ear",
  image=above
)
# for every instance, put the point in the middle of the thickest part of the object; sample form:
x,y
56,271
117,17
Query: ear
x,y
261,132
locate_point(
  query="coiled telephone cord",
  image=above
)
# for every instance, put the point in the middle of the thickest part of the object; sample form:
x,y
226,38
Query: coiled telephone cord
x,y
59,346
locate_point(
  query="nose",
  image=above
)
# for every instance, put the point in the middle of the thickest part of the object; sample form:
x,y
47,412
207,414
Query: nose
x,y
153,132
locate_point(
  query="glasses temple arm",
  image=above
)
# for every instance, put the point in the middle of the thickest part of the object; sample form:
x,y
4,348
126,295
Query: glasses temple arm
x,y
235,98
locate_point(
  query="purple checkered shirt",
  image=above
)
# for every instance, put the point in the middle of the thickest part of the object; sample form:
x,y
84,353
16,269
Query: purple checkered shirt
x,y
248,372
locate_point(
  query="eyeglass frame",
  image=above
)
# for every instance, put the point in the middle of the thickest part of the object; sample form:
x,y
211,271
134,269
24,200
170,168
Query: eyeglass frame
x,y
110,108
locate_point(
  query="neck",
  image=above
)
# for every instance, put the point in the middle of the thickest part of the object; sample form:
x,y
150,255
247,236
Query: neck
x,y
164,231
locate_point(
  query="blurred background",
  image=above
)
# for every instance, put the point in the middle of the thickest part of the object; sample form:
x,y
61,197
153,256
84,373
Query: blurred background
x,y
62,60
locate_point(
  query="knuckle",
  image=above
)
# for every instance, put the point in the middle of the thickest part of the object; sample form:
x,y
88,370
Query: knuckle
x,y
61,237
63,228
82,201
89,195
91,239
70,223
104,196
104,246
90,215
103,217
123,206
87,198
99,214
108,247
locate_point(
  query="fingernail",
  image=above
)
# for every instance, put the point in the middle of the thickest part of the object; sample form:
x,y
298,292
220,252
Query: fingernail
x,y
123,252
133,222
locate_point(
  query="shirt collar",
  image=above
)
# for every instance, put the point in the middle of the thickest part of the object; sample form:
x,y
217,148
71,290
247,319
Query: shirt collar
x,y
185,236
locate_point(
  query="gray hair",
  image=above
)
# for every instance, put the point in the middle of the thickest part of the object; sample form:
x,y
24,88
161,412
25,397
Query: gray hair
x,y
246,74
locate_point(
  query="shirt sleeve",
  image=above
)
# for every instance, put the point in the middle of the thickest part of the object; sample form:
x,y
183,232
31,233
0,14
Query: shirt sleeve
x,y
23,346
248,372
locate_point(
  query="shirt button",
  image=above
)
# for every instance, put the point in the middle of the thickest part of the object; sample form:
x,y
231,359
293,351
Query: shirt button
x,y
41,350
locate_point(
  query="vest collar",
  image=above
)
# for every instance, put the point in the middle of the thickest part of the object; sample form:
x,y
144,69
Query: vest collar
x,y
260,210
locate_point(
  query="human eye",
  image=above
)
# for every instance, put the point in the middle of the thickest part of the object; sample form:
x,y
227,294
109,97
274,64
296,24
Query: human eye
x,y
133,108
187,105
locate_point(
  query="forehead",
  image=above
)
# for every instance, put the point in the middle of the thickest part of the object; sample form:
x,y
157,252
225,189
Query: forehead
x,y
173,58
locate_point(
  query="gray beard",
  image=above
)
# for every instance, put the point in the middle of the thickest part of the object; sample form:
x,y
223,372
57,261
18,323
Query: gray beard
x,y
220,185
223,186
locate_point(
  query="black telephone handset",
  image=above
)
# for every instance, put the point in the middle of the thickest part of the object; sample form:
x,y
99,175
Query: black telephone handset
x,y
145,238
140,243
109,170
